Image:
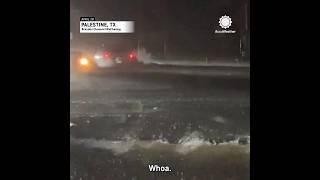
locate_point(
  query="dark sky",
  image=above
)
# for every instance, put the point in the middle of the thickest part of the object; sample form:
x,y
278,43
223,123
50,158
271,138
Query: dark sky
x,y
184,25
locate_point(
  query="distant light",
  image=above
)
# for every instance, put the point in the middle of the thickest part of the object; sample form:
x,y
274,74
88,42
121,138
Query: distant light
x,y
106,54
84,61
97,57
72,124
131,56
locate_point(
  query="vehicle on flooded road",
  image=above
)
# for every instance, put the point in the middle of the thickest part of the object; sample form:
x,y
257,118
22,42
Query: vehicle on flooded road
x,y
113,57
103,58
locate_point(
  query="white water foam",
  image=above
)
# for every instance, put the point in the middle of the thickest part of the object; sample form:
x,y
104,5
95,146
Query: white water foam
x,y
187,144
190,142
117,147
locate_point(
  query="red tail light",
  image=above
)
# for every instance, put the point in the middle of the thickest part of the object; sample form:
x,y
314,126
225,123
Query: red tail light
x,y
132,56
106,54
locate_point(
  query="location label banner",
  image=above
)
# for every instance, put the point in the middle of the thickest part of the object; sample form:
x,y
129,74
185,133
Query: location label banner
x,y
106,26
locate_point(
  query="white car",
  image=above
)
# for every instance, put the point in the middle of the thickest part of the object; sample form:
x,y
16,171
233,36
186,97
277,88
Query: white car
x,y
87,62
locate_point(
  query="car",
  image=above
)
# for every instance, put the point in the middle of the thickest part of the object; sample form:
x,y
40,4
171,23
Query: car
x,y
102,59
111,57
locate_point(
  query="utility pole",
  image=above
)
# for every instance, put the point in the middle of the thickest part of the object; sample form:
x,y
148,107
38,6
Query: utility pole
x,y
138,48
164,49
247,38
240,46
244,37
246,16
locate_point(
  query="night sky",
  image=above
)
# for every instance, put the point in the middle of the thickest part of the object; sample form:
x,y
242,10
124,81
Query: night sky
x,y
187,27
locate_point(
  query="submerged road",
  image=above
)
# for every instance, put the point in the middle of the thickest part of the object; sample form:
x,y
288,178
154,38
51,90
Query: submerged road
x,y
194,120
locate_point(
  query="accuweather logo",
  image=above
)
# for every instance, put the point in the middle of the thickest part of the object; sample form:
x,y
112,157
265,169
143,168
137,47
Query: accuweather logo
x,y
225,23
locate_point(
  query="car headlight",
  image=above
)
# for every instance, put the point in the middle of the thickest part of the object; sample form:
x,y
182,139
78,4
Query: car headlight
x,y
84,61
97,57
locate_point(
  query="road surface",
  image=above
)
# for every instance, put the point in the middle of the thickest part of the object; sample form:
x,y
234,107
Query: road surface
x,y
195,121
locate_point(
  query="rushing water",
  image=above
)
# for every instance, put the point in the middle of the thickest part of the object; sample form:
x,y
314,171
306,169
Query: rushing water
x,y
120,126
192,158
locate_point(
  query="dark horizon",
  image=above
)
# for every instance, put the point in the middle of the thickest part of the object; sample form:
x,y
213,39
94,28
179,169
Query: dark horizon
x,y
186,28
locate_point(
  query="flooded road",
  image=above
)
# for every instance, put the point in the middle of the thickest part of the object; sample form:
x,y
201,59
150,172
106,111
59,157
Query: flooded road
x,y
159,126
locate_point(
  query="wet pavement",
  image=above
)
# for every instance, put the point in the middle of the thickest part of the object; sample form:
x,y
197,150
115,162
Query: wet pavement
x,y
196,125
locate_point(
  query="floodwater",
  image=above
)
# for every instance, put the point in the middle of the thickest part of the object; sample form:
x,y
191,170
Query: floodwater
x,y
183,128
